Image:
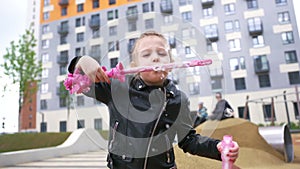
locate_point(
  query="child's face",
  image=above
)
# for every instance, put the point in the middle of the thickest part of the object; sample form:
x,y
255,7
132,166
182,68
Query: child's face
x,y
152,50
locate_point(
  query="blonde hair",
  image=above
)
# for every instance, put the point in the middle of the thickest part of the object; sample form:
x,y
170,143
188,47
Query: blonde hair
x,y
147,34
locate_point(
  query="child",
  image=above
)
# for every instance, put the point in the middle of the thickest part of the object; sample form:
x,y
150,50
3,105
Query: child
x,y
147,111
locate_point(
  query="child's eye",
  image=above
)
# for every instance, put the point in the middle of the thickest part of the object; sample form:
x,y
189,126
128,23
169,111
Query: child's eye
x,y
146,54
162,53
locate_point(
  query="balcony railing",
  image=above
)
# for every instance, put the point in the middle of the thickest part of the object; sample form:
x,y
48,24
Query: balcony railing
x,y
207,3
62,59
255,30
63,2
63,29
94,23
166,6
132,14
261,65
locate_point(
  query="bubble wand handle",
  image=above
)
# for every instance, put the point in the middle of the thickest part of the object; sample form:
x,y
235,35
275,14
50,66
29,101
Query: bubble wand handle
x,y
226,144
119,72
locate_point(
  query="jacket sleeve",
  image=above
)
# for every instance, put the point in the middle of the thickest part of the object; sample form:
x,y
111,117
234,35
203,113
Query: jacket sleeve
x,y
191,142
99,91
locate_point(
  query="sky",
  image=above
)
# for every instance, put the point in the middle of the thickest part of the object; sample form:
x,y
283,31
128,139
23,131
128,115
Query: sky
x,y
13,16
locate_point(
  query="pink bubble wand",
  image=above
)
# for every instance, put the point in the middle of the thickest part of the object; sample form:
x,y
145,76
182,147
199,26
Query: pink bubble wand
x,y
78,83
226,143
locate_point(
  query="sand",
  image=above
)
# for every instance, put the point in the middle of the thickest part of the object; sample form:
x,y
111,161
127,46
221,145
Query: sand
x,y
255,152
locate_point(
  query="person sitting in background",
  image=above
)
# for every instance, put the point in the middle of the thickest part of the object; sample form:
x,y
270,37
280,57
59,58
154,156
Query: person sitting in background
x,y
201,114
223,110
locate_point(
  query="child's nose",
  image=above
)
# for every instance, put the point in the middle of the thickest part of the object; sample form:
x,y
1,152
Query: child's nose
x,y
155,58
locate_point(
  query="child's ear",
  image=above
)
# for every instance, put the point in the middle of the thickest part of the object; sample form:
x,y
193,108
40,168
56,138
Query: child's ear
x,y
133,64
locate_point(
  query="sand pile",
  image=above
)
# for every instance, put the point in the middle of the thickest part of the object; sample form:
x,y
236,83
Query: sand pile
x,y
255,152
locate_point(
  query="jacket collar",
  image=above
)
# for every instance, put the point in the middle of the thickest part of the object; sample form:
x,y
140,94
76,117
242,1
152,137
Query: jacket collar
x,y
140,85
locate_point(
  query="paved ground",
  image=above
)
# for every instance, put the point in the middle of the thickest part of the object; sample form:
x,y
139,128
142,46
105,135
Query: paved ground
x,y
91,160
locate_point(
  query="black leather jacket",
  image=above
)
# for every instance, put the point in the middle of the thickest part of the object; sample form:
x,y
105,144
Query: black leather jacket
x,y
144,122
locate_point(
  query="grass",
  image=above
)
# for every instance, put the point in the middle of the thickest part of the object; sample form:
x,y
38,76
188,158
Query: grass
x,y
25,141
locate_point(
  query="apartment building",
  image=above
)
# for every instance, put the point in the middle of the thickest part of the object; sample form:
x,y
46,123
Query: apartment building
x,y
253,45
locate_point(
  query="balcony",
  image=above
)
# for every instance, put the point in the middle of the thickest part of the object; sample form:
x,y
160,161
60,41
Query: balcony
x,y
207,3
63,29
216,72
172,42
261,64
94,23
132,13
63,2
212,37
166,6
255,26
62,59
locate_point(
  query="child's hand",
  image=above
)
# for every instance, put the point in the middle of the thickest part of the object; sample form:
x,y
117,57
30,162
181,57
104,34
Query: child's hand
x,y
233,152
92,69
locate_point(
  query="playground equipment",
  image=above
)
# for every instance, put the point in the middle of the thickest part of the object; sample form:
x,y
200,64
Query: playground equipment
x,y
279,137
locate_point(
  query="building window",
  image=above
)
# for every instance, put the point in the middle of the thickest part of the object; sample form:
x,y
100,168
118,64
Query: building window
x,y
80,100
80,22
95,4
187,16
131,43
287,37
63,40
234,45
207,12
228,26
252,4
216,83
79,51
296,110
261,63
62,69
64,11
258,41
95,33
80,37
45,73
113,46
112,30
237,25
267,110
80,7
132,26
112,2
241,112
283,17
211,31
44,88
194,88
294,77
229,9
185,2
112,15
45,29
149,23
254,24
62,101
43,105
46,15
211,46
62,126
147,7
264,80
45,44
45,57
43,127
290,57
281,2
46,2
80,124
98,124
240,84
113,62
237,63
168,19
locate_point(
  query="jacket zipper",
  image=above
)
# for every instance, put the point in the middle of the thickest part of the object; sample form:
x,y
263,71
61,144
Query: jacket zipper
x,y
154,128
113,135
168,149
